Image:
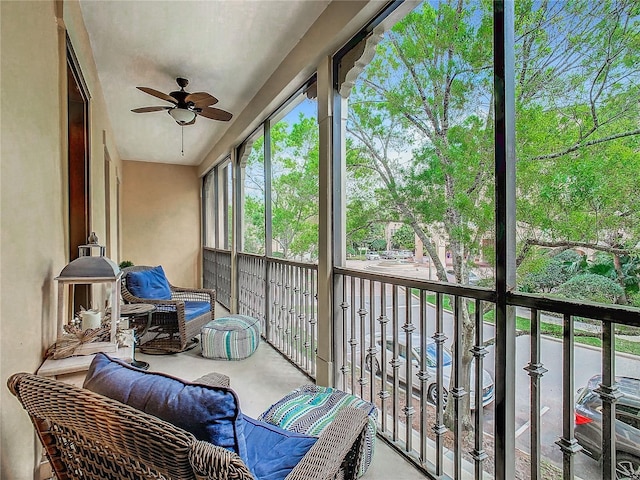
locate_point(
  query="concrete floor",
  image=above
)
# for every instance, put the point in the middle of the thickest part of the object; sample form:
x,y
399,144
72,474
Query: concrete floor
x,y
262,380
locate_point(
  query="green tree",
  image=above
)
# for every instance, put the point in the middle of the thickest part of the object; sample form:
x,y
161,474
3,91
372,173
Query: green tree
x,y
411,116
553,270
578,93
254,225
404,238
421,119
295,186
254,208
378,244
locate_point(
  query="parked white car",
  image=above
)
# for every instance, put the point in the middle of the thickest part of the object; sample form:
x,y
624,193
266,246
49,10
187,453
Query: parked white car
x,y
488,391
372,256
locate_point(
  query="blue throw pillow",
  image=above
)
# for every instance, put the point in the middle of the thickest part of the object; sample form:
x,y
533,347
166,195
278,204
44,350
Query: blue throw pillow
x,y
273,452
150,283
209,413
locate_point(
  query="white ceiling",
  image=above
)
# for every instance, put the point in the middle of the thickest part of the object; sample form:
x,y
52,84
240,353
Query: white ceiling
x,y
227,48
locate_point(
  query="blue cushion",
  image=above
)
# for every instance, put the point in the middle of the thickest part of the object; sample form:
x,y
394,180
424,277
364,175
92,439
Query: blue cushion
x,y
273,452
209,413
192,309
150,283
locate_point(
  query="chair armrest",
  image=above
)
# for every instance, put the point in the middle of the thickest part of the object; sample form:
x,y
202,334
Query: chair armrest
x,y
202,294
178,304
133,299
210,462
342,440
214,379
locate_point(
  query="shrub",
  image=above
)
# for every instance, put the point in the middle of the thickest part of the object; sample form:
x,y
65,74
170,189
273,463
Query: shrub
x,y
588,286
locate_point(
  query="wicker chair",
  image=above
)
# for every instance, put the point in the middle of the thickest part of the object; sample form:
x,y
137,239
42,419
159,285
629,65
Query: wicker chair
x,y
169,331
86,435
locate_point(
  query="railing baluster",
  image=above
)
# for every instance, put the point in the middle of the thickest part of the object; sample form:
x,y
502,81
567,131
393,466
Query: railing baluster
x,y
362,312
313,320
282,307
371,350
383,320
567,443
345,313
439,429
536,371
479,351
609,394
408,409
352,341
395,361
304,302
290,312
423,375
296,341
457,392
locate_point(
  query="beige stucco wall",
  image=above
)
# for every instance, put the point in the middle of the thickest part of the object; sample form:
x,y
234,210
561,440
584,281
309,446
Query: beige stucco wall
x,y
32,245
33,195
161,219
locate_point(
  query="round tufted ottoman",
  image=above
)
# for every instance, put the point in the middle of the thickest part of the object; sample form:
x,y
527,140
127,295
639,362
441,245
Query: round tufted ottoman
x,y
233,337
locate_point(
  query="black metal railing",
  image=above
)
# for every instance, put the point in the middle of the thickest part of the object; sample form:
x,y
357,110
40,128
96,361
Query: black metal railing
x,y
394,353
387,321
283,295
383,323
216,268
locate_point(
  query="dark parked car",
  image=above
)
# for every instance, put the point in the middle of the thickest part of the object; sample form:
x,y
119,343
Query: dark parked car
x,y
588,425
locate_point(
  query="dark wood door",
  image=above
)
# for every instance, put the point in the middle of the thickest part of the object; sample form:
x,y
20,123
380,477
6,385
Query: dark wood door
x,y
78,141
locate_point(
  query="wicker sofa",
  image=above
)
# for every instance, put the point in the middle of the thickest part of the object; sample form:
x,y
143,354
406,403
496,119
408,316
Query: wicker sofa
x,y
87,435
174,323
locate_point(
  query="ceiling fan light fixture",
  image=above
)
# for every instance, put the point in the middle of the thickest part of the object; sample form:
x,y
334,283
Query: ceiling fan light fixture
x,y
182,116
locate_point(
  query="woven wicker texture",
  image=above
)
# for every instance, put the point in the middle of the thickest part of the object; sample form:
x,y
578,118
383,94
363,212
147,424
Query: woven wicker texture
x,y
88,436
170,332
214,379
232,337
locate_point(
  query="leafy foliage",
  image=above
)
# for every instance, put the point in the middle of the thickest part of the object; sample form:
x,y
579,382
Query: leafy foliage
x,y
404,238
421,131
590,286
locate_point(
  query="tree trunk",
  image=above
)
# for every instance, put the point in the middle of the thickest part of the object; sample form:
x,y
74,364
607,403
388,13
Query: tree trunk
x,y
617,264
464,420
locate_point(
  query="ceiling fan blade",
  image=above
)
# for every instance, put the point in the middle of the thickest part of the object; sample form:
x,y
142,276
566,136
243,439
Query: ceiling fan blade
x,y
215,114
201,99
150,109
158,94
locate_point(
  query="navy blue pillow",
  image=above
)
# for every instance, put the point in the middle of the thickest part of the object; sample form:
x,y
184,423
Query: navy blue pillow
x,y
273,452
209,413
150,283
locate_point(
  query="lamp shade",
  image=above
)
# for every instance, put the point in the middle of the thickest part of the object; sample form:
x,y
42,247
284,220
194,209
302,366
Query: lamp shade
x,y
182,115
90,267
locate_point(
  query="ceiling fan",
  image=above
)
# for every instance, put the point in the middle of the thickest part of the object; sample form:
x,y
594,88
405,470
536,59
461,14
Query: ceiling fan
x,y
186,106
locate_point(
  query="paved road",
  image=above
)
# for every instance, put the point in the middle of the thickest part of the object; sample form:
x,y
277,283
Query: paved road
x,y
587,363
